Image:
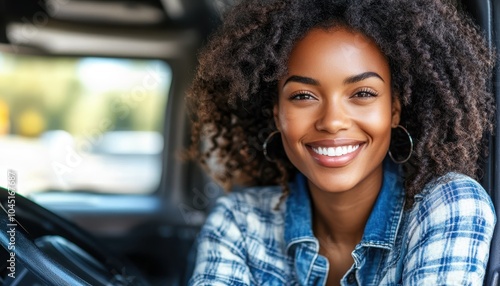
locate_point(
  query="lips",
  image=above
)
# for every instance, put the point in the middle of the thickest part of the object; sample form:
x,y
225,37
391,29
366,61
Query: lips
x,y
335,153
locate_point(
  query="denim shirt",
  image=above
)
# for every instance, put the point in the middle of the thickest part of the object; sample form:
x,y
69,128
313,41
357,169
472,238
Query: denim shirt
x,y
442,240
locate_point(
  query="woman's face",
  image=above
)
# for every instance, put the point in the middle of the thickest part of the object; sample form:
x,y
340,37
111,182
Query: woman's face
x,y
335,109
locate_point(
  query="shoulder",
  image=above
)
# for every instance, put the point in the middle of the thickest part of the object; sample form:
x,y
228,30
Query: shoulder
x,y
240,242
260,200
454,196
454,188
453,182
247,209
452,221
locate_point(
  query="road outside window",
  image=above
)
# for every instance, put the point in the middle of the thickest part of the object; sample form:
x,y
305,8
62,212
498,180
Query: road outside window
x,y
82,124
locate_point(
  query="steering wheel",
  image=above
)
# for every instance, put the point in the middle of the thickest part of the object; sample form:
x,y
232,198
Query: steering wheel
x,y
57,251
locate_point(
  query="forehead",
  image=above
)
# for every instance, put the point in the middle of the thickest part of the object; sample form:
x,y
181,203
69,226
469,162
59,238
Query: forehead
x,y
337,49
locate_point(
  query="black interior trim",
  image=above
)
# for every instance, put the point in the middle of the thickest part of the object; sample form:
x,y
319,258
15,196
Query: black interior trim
x,y
484,12
493,277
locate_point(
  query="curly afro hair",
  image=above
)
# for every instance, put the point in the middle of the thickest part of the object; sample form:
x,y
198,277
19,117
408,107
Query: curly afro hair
x,y
440,66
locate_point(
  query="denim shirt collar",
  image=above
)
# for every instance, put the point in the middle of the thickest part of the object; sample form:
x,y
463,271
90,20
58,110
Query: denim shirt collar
x,y
298,214
381,227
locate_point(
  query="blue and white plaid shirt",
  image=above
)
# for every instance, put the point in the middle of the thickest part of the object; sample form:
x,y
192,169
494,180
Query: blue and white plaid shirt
x,y
443,239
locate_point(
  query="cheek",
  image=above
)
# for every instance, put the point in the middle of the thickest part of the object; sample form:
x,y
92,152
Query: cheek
x,y
377,123
294,125
288,120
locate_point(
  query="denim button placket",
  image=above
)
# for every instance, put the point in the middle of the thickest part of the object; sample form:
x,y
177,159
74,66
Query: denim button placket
x,y
351,278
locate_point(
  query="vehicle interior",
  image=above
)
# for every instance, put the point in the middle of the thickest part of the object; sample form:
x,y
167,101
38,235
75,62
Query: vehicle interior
x,y
93,125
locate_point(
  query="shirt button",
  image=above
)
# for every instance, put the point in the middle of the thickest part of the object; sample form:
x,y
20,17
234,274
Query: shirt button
x,y
351,278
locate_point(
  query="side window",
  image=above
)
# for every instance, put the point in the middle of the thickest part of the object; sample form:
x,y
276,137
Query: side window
x,y
82,123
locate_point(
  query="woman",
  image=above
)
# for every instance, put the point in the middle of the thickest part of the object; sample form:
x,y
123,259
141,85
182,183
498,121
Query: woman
x,y
313,99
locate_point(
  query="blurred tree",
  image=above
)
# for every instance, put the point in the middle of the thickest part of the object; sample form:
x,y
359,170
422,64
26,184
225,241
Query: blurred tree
x,y
4,118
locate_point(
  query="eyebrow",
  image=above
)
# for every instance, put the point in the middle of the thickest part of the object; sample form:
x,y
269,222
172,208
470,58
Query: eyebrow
x,y
301,79
360,77
349,80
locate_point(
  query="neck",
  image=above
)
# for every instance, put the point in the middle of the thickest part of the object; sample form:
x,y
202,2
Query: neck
x,y
341,217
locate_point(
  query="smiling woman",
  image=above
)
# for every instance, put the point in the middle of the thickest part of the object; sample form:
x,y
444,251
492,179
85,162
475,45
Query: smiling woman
x,y
342,98
335,120
335,83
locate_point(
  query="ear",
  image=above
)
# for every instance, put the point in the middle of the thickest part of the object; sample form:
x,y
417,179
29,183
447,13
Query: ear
x,y
276,116
396,111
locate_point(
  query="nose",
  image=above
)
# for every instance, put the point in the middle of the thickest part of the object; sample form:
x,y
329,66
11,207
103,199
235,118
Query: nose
x,y
334,117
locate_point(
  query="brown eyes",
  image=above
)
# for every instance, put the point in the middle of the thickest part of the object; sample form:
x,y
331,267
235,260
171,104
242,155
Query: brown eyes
x,y
302,96
365,94
361,94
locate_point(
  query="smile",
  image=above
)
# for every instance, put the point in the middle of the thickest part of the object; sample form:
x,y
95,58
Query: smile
x,y
335,151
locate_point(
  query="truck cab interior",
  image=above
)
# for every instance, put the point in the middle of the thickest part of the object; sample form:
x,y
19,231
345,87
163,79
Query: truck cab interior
x,y
93,125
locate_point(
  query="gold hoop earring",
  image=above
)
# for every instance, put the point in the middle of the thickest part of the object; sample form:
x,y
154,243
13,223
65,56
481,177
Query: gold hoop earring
x,y
264,146
411,148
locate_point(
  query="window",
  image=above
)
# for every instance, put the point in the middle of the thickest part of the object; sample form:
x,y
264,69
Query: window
x,y
82,123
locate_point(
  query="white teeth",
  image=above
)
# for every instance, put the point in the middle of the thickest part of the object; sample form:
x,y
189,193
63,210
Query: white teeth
x,y
331,152
335,151
338,150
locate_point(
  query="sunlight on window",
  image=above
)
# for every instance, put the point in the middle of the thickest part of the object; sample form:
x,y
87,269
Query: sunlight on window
x,y
82,124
